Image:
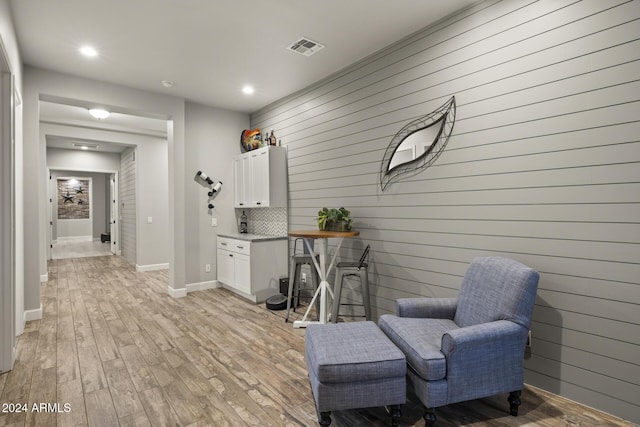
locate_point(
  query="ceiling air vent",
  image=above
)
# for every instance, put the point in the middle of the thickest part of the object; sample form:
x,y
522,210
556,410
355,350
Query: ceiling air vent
x,y
305,46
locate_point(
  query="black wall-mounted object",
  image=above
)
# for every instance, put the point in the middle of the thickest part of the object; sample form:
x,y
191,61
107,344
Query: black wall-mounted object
x,y
418,144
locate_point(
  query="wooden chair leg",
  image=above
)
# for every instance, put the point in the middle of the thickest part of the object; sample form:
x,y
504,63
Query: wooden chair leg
x,y
430,417
514,402
396,414
325,418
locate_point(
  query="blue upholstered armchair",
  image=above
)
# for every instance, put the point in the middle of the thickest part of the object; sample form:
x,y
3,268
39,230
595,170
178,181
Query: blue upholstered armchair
x,y
472,346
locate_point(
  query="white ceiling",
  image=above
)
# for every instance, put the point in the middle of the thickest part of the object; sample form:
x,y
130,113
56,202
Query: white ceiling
x,y
74,116
211,48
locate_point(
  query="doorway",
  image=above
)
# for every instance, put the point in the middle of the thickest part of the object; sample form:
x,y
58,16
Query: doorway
x,y
82,214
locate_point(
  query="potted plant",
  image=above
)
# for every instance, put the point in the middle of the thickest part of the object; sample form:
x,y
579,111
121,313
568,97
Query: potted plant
x,y
334,219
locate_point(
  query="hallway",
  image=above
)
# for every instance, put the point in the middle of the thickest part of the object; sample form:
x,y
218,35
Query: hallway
x,y
64,249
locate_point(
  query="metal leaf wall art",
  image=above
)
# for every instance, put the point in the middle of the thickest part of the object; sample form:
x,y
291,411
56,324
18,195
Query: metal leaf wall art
x,y
418,144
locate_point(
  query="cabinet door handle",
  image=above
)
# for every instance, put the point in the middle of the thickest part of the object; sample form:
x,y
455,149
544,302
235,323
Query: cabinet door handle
x,y
223,244
240,247
231,255
257,203
241,204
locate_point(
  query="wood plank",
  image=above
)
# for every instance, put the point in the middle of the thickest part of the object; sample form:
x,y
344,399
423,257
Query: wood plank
x,y
139,419
157,408
43,391
137,367
71,392
100,409
68,366
46,355
107,347
91,372
120,333
123,392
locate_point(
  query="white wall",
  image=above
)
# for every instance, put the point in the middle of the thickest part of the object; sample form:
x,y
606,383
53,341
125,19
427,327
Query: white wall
x,y
152,201
212,139
542,167
80,160
8,43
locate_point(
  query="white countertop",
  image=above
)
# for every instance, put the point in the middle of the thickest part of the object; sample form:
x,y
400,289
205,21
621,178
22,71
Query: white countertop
x,y
251,237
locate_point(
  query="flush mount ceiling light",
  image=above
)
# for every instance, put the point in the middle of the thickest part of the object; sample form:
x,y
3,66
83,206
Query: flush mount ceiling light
x,y
167,83
85,146
99,113
88,51
248,90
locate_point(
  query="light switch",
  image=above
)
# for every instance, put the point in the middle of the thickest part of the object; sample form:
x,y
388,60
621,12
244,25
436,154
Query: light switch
x,y
214,222
149,220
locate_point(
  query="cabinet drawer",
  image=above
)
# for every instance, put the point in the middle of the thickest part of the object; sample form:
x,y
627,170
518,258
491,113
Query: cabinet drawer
x,y
233,245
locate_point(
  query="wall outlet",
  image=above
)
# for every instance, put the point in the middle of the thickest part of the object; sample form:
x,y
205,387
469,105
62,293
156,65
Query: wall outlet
x,y
214,222
304,278
207,268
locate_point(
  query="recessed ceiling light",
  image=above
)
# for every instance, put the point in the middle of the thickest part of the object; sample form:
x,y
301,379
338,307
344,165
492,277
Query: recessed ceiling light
x,y
99,113
248,90
88,51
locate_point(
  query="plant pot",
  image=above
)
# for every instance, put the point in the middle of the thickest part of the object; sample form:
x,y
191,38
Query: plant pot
x,y
336,226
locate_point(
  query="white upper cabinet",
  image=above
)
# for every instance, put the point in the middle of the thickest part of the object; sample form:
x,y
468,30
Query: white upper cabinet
x,y
261,178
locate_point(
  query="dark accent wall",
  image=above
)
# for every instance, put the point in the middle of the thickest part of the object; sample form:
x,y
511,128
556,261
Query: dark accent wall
x,y
543,166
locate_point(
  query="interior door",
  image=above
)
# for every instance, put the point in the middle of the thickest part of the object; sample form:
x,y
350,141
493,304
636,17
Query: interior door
x,y
112,212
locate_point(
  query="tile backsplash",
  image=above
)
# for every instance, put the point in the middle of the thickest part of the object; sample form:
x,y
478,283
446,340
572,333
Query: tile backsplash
x,y
266,221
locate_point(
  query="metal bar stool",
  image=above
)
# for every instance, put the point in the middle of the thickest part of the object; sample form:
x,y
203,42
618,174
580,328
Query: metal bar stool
x,y
297,261
357,269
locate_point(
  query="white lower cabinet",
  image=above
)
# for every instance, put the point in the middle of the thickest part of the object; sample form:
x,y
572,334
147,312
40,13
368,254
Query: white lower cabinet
x,y
252,269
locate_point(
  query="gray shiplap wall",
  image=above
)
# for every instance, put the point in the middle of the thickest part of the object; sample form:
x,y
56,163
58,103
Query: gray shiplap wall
x,y
543,166
127,197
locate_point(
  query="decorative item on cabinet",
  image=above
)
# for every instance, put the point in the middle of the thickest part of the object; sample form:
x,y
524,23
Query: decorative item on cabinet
x,y
272,139
243,223
251,139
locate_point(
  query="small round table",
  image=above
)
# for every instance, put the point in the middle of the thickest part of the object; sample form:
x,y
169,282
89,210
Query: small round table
x,y
323,271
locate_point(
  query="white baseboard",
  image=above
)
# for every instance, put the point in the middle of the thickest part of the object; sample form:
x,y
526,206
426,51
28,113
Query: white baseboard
x,y
152,267
33,314
202,286
177,293
76,238
44,278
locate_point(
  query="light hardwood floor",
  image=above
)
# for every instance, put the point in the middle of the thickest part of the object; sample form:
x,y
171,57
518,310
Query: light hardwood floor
x,y
115,347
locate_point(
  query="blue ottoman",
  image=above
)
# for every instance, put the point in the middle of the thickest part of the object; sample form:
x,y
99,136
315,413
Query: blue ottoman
x,y
354,365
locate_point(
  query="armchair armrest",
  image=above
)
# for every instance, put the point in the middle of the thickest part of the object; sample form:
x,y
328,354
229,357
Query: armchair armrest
x,y
436,308
484,359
